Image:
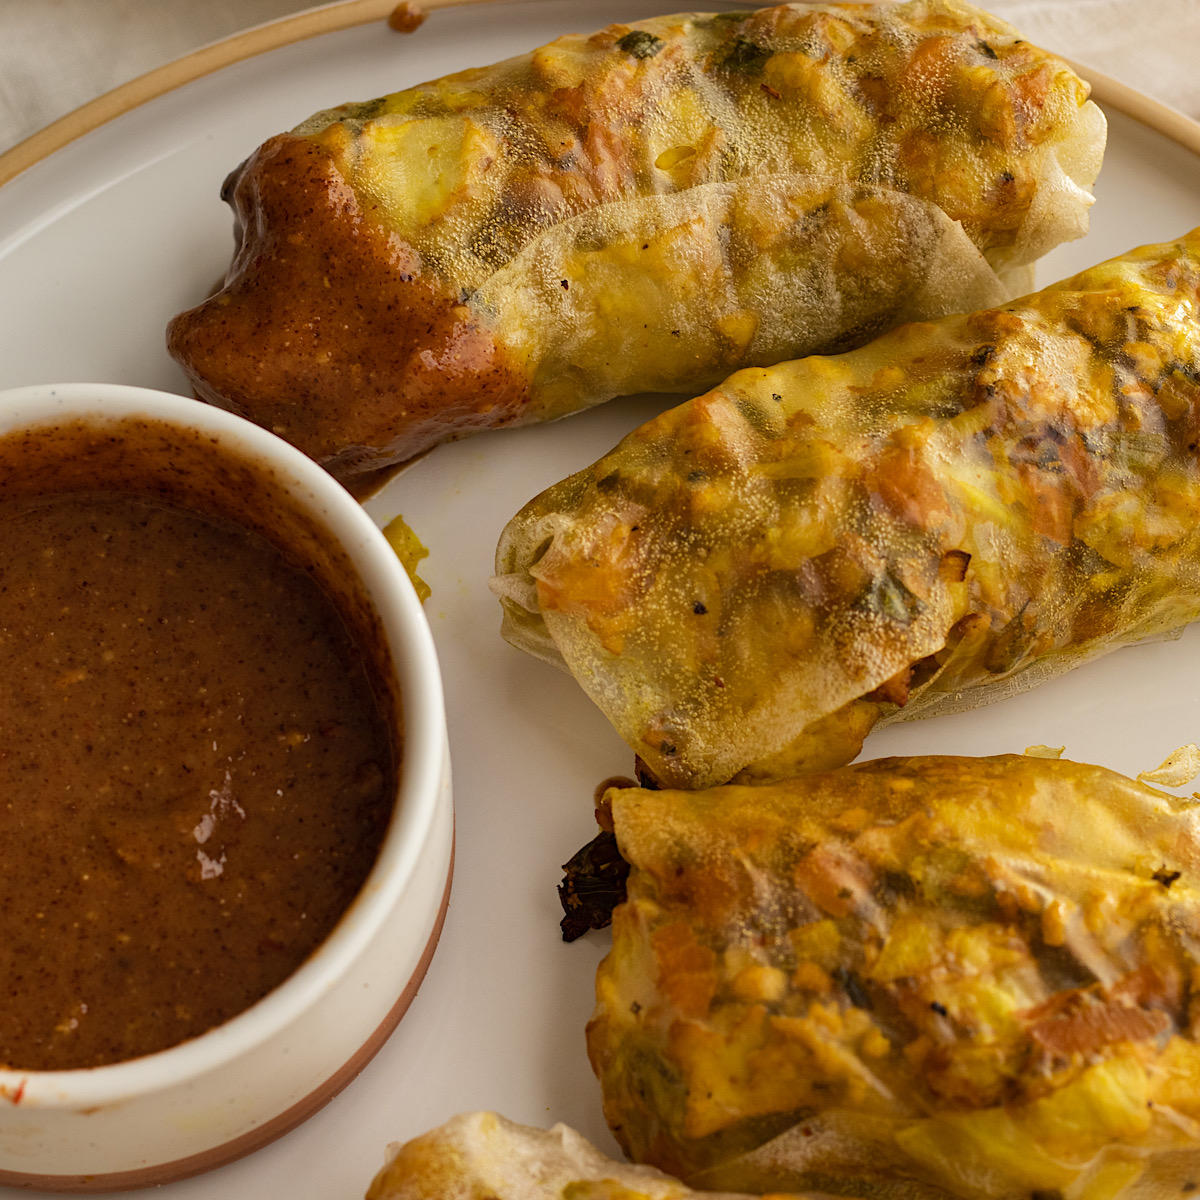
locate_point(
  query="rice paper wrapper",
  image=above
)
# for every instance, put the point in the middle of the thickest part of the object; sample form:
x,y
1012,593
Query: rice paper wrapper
x,y
648,207
482,1156
751,581
909,978
805,264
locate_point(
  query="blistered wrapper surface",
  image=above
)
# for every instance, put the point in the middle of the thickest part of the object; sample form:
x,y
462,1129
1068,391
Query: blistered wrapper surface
x,y
646,208
947,516
909,978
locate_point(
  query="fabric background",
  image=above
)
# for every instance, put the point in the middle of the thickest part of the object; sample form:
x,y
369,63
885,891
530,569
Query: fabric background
x,y
58,54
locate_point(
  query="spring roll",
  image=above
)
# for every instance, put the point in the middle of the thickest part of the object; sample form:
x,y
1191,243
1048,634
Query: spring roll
x,y
909,978
646,208
482,1156
955,512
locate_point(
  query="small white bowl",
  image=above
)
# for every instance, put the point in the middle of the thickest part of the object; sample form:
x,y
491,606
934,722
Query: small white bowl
x,y
233,1089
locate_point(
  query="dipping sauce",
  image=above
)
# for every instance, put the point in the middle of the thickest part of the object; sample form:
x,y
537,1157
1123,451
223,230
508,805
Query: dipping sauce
x,y
195,775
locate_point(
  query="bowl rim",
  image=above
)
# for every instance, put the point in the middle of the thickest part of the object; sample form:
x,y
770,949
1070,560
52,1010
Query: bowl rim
x,y
418,789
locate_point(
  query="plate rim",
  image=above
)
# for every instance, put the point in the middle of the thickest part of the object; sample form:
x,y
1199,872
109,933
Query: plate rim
x,y
404,1131
225,52
250,43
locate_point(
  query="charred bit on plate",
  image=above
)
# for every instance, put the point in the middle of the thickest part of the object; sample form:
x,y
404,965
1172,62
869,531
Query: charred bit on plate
x,y
406,18
593,885
594,880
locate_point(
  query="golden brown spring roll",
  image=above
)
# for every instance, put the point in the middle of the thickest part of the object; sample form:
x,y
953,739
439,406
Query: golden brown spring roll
x,y
647,208
481,1156
752,580
909,978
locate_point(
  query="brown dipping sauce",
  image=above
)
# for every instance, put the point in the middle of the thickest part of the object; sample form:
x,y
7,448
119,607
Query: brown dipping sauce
x,y
196,771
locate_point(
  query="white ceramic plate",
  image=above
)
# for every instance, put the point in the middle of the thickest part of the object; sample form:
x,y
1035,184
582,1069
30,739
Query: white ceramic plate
x,y
104,241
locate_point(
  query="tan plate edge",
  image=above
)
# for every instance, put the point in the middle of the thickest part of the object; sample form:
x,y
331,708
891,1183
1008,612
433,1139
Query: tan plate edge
x,y
258,40
1154,114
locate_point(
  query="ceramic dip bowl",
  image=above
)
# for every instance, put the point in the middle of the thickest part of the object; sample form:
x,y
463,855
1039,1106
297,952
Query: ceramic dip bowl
x,y
153,1117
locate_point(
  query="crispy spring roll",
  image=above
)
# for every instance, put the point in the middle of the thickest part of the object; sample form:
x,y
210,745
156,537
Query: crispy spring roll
x,y
751,581
481,1156
909,978
647,208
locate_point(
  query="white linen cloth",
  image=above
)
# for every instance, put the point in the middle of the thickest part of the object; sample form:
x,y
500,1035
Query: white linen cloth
x,y
58,54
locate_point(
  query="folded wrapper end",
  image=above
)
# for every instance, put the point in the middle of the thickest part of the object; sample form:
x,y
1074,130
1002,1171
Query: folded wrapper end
x,y
521,625
521,544
1060,209
484,1155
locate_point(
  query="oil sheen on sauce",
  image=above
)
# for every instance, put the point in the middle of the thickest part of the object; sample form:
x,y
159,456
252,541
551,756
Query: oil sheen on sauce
x,y
194,776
